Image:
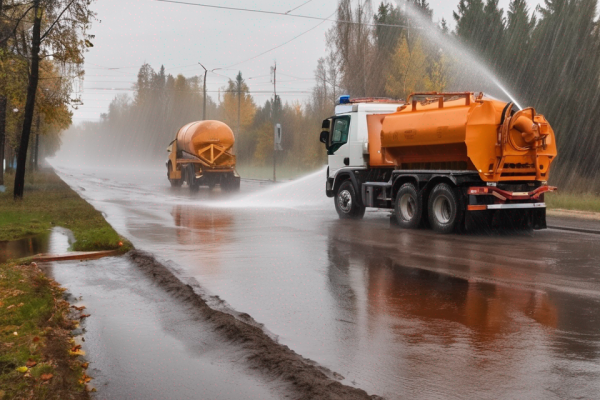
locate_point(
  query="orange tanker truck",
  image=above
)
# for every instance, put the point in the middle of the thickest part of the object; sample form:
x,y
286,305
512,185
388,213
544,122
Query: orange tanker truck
x,y
449,161
201,155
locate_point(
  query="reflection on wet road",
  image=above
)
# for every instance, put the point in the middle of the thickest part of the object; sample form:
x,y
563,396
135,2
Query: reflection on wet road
x,y
402,314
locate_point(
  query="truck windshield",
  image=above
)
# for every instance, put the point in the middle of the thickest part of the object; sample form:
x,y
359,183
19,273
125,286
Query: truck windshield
x,y
339,136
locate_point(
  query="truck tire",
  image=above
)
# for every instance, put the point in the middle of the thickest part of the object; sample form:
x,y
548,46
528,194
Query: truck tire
x,y
192,182
408,207
444,209
346,202
174,182
230,184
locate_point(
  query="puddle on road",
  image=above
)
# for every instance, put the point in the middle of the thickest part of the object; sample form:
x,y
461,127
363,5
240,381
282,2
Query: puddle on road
x,y
26,247
57,240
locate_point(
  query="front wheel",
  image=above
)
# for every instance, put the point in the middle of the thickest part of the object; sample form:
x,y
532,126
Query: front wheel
x,y
445,212
346,202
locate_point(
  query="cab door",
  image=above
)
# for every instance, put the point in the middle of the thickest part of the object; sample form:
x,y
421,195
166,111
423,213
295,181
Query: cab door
x,y
339,150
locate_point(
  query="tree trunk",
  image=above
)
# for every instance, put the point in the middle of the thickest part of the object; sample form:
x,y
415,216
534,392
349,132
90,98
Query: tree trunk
x,y
30,105
33,158
3,101
3,104
36,152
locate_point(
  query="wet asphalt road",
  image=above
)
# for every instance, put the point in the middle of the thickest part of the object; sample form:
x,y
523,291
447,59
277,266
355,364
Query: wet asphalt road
x,y
401,314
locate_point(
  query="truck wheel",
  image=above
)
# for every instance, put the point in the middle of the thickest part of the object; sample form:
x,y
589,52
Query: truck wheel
x,y
230,184
445,213
409,207
174,182
346,202
192,182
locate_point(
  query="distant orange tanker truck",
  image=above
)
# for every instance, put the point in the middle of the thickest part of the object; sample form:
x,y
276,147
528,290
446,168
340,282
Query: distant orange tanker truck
x,y
446,160
201,155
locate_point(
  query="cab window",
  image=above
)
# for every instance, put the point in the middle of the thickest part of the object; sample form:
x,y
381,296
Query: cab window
x,y
339,136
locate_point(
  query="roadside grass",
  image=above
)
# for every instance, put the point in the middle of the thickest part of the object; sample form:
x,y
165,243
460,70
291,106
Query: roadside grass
x,y
571,201
35,338
50,202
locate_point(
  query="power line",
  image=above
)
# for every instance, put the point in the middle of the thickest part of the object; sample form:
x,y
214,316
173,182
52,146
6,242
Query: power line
x,y
276,13
281,45
294,9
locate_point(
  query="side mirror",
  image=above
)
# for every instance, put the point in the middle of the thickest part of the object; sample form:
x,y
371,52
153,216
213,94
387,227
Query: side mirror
x,y
325,138
326,125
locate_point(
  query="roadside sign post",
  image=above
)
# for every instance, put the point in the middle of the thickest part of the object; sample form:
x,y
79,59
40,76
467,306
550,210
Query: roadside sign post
x,y
276,147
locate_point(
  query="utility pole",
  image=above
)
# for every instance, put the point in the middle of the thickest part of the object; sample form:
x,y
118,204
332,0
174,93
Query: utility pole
x,y
274,120
239,96
204,89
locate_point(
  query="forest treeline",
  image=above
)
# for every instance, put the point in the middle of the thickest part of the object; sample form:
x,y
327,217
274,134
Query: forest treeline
x,y
548,57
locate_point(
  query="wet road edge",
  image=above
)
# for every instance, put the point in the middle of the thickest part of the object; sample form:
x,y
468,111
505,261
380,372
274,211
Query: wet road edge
x,y
305,377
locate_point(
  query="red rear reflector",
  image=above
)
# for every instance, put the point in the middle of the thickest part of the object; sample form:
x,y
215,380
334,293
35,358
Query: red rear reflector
x,y
477,208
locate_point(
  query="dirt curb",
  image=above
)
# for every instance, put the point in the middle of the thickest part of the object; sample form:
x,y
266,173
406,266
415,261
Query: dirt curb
x,y
306,378
586,215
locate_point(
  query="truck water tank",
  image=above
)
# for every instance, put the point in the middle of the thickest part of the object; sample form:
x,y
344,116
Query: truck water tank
x,y
195,136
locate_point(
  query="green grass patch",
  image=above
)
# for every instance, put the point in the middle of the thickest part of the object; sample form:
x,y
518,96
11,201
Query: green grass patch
x,y
49,202
571,201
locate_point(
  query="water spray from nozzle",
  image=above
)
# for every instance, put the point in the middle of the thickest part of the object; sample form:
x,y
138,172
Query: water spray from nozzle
x,y
453,46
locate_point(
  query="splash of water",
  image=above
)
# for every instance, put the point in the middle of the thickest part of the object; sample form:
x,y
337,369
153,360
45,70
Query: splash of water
x,y
475,74
305,192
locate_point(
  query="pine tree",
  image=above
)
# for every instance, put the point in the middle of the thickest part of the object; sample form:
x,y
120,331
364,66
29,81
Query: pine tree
x,y
517,42
470,22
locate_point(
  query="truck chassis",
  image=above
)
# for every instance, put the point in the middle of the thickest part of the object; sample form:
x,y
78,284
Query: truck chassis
x,y
446,200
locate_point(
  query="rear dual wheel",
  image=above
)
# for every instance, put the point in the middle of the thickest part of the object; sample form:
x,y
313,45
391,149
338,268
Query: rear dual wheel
x,y
230,183
174,182
409,207
190,178
445,208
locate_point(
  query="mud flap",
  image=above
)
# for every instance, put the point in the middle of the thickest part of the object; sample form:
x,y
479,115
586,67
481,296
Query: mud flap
x,y
539,219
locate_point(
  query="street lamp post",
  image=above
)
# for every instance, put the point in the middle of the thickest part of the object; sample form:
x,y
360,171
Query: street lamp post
x,y
204,102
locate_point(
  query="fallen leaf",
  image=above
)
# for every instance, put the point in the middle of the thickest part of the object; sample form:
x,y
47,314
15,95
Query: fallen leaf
x,y
77,353
16,333
84,316
31,363
84,379
22,369
78,308
11,306
46,377
75,348
36,339
20,305
85,365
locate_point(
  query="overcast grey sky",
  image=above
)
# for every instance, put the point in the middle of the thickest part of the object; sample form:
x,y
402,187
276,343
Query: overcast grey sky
x,y
131,32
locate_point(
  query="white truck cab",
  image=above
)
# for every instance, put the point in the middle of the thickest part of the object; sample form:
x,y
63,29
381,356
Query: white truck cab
x,y
349,134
